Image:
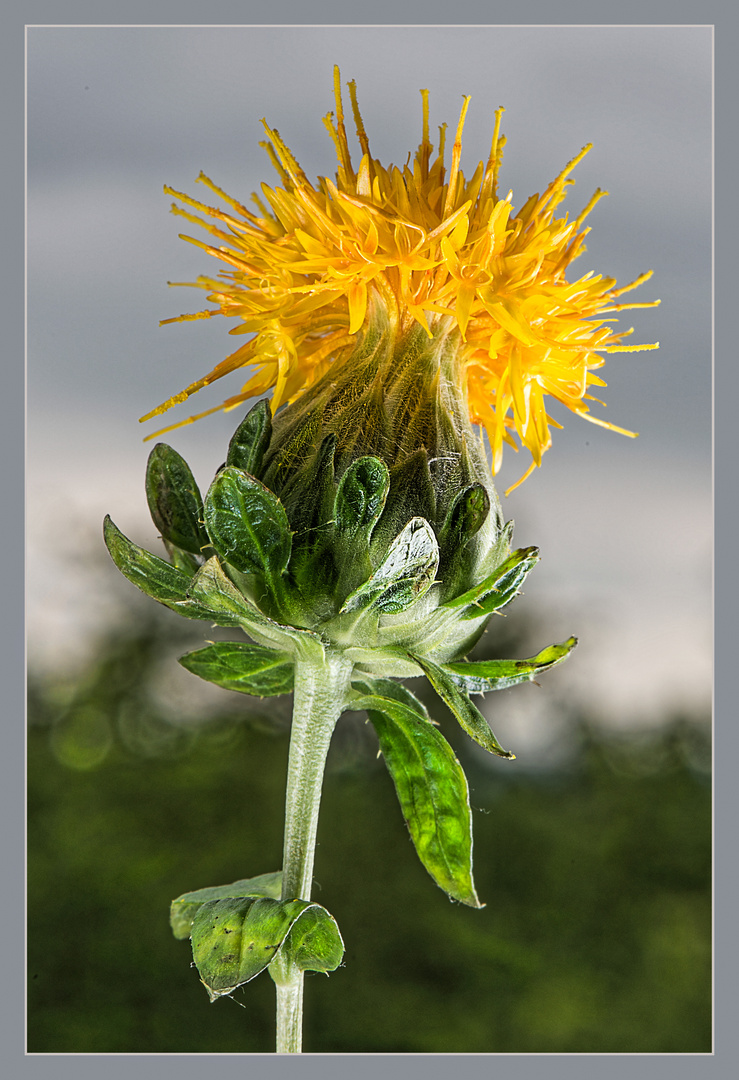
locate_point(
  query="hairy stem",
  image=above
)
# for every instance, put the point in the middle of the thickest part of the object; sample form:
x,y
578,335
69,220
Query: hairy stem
x,y
319,695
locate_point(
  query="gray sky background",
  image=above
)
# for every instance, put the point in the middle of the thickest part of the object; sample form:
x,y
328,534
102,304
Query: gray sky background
x,y
115,113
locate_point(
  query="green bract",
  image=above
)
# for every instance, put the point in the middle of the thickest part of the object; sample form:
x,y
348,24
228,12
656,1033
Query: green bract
x,y
355,537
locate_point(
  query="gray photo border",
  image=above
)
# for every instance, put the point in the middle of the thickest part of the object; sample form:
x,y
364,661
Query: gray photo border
x,y
722,1062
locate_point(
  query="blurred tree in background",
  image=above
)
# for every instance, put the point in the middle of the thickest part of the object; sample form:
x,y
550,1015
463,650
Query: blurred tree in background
x,y
596,873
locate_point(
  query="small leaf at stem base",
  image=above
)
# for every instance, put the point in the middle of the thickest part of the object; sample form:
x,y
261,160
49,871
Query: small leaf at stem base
x,y
184,909
235,939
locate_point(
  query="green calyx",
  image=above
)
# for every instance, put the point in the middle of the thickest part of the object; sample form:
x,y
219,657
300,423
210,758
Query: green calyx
x,y
368,551
360,512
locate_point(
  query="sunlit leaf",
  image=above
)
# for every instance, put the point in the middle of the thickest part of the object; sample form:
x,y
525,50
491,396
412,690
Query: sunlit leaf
x,y
429,781
234,939
481,676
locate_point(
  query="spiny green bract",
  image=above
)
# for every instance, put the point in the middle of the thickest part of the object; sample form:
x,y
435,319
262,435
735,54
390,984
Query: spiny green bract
x,y
333,552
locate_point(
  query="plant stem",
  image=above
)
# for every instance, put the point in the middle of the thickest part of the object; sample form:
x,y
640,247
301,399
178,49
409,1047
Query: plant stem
x,y
319,696
290,1015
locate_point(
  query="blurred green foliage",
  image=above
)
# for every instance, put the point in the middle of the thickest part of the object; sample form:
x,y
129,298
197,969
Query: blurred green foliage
x,y
596,936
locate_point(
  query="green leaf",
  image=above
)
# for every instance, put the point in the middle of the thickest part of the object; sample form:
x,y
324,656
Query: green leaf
x,y
251,439
478,677
208,595
467,714
405,574
465,518
308,498
289,451
309,494
247,524
154,576
174,500
228,607
313,943
361,495
459,557
410,495
184,909
236,665
429,781
211,590
390,689
183,560
500,587
234,939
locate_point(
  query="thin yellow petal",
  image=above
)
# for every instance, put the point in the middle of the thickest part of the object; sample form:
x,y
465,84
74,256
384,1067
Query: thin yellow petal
x,y
357,298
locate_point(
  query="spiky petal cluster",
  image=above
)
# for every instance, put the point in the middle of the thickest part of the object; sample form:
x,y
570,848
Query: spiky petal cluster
x,y
432,247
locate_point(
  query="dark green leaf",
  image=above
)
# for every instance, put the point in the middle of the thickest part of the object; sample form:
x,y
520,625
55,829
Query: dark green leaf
x,y
212,590
251,439
308,495
459,557
465,518
308,498
405,574
234,939
478,677
500,587
411,494
183,560
247,524
467,714
154,576
228,607
361,495
174,500
236,665
184,909
171,586
431,786
300,431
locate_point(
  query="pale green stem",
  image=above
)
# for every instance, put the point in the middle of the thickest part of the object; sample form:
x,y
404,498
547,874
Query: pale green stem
x,y
319,696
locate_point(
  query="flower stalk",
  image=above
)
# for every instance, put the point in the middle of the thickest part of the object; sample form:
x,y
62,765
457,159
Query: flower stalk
x,y
320,695
319,699
290,1012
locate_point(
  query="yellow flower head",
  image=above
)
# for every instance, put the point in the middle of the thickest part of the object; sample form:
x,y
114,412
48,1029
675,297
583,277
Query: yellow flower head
x,y
433,248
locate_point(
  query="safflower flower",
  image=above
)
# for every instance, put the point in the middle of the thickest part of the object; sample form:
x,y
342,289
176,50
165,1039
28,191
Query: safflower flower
x,y
432,249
